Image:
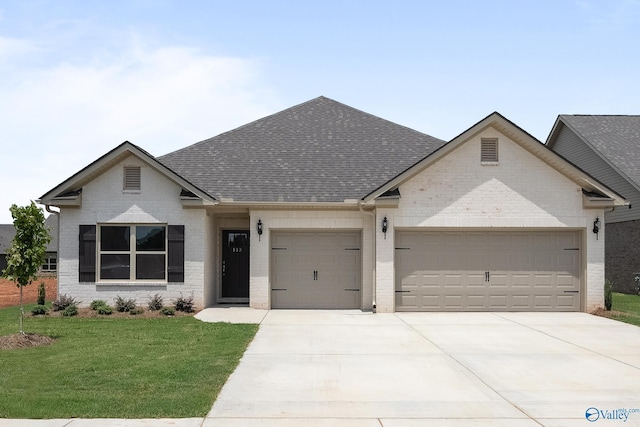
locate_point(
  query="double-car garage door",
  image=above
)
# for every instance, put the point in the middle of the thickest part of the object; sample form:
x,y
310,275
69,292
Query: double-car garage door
x,y
487,271
315,270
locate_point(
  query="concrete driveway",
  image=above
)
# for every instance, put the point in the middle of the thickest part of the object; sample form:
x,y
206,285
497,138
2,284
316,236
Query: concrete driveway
x,y
349,368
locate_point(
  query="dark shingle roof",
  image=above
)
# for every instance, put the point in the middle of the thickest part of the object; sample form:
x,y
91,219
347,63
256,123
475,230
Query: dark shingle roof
x,y
617,138
320,150
8,231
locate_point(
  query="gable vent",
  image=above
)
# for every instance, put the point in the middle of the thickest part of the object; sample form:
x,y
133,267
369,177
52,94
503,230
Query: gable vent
x,y
131,178
489,150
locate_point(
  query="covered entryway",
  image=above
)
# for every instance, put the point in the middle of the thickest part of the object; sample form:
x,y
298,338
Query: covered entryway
x,y
315,270
487,271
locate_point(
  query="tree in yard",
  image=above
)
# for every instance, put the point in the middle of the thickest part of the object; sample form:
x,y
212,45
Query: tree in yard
x,y
28,247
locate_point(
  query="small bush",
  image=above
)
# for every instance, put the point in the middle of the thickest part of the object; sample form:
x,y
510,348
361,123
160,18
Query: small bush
x,y
136,311
608,294
39,310
155,303
41,293
70,310
97,303
123,305
184,304
104,309
168,311
63,301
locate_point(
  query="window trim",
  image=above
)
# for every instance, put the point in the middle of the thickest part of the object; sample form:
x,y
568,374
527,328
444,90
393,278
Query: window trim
x,y
489,151
132,252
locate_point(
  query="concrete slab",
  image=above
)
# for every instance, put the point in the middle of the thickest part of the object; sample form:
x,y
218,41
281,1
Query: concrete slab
x,y
231,314
409,369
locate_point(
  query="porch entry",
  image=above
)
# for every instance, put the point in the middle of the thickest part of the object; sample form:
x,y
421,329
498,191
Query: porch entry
x,y
235,264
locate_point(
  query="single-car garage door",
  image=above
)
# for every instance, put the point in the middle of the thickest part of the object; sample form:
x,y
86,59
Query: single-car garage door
x,y
315,270
487,271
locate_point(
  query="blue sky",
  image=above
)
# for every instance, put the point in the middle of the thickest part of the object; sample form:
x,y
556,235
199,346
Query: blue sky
x,y
79,77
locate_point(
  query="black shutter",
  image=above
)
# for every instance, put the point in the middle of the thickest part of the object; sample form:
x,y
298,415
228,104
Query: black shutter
x,y
176,253
87,254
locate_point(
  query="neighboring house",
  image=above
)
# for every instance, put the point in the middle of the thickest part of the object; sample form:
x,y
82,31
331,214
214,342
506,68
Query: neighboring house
x,y
325,206
50,263
608,147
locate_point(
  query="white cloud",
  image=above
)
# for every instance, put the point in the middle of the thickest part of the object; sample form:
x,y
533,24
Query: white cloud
x,y
56,120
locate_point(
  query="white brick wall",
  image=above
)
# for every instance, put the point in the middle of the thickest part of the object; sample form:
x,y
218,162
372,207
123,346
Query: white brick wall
x,y
103,201
520,192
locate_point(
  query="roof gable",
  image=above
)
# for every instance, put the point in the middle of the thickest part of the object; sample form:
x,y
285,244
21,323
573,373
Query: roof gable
x,y
522,138
614,138
318,151
72,187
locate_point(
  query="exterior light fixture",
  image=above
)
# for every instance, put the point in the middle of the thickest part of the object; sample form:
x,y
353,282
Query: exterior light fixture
x,y
385,226
596,227
259,227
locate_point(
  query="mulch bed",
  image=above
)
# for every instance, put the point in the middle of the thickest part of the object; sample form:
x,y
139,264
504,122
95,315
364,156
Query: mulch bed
x,y
11,342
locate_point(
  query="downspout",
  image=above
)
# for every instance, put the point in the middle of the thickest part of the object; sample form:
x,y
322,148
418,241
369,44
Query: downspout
x,y
373,252
56,213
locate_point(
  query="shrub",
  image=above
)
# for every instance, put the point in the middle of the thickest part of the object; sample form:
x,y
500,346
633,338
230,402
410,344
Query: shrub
x,y
155,303
97,303
123,305
39,309
70,310
136,311
104,309
63,301
168,311
608,294
41,293
184,304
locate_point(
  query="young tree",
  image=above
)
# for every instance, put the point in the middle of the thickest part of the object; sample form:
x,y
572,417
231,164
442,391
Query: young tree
x,y
28,247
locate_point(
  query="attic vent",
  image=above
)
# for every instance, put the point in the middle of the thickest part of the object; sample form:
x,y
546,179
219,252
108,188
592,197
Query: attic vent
x,y
489,150
131,178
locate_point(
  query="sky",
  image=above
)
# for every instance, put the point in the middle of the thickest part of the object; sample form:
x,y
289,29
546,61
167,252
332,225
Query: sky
x,y
77,78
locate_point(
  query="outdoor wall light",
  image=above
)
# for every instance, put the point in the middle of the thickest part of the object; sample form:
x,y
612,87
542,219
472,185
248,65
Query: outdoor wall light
x,y
259,227
385,225
596,227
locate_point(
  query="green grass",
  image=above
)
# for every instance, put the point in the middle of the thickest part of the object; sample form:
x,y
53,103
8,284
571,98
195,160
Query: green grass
x,y
626,308
118,368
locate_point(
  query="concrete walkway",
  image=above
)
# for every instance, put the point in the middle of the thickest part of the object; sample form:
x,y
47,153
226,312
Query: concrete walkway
x,y
349,368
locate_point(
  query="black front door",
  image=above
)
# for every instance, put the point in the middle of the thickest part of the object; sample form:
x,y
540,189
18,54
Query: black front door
x,y
235,264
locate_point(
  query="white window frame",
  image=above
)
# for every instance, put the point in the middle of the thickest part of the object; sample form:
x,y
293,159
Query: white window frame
x,y
132,252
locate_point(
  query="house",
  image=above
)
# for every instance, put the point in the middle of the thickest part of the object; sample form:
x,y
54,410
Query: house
x,y
608,147
325,206
50,263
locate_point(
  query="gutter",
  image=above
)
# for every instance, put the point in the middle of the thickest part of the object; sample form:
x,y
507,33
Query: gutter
x,y
56,213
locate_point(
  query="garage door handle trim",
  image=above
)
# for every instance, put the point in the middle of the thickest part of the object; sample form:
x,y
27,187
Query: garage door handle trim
x,y
352,290
571,292
278,289
403,292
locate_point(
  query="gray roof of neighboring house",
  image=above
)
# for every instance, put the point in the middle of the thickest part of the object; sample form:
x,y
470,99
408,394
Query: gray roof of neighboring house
x,y
617,138
7,231
320,150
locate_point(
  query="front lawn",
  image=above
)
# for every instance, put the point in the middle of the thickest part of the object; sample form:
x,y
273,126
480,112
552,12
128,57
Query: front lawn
x,y
625,308
118,368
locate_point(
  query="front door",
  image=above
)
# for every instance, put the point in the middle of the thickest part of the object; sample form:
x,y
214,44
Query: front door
x,y
235,264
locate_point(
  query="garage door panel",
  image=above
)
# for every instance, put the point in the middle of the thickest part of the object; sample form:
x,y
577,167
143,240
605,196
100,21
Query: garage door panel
x,y
315,270
527,271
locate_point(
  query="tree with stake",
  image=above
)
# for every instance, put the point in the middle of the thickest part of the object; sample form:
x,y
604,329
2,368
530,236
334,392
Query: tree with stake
x,y
28,247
